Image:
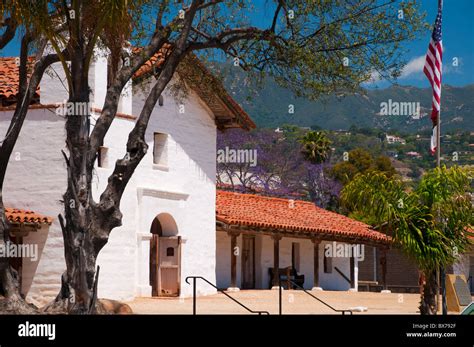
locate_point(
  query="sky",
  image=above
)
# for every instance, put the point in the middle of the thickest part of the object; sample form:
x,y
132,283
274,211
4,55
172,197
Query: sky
x,y
458,42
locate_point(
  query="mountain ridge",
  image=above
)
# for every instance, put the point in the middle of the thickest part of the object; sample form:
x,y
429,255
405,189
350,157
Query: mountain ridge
x,y
270,107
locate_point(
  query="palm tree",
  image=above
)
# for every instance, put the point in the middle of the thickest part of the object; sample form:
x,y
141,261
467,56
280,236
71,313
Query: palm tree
x,y
429,223
315,146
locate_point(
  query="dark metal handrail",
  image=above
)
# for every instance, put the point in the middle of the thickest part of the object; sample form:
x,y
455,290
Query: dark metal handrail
x,y
194,278
314,297
342,274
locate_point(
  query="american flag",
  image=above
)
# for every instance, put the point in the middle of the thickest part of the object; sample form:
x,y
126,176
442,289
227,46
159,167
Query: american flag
x,y
433,70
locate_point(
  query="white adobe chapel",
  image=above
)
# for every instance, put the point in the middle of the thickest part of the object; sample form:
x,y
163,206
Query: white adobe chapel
x,y
172,227
171,194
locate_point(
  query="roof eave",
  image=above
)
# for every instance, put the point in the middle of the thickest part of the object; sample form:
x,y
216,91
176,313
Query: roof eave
x,y
325,235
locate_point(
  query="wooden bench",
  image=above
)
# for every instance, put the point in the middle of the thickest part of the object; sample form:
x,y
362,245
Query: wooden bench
x,y
367,284
287,274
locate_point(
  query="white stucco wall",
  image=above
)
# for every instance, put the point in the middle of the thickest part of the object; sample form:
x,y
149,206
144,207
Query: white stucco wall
x,y
53,87
334,281
223,260
37,181
264,261
185,189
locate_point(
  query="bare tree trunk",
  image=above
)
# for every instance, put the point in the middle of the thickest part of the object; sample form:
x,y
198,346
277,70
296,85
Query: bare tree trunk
x,y
87,224
80,247
428,299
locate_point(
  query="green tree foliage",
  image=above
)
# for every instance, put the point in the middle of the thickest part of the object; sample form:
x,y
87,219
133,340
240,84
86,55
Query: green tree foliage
x,y
383,163
361,161
430,223
315,147
291,132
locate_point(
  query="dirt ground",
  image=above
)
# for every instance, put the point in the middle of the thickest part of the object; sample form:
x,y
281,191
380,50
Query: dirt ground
x,y
294,302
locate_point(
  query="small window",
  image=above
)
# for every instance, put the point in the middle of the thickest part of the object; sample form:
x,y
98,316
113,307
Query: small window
x,y
170,252
160,149
327,264
102,157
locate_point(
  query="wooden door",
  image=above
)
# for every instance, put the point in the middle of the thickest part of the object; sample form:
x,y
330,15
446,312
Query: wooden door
x,y
169,268
248,262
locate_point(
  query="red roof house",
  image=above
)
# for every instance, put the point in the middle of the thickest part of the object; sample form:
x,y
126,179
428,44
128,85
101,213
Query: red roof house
x,y
259,236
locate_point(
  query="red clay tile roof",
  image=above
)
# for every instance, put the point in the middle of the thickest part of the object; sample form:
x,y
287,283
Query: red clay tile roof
x,y
218,88
17,216
9,76
157,60
291,216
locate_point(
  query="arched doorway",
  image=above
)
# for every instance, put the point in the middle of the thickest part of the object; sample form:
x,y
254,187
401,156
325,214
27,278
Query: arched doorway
x,y
165,256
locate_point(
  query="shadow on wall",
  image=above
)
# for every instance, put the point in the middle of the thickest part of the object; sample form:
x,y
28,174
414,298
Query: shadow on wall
x,y
164,225
29,265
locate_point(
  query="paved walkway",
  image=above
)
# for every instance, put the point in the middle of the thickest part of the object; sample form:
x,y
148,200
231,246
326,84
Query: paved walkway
x,y
294,302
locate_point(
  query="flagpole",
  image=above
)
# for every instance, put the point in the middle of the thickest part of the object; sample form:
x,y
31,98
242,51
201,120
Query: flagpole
x,y
438,140
438,164
433,71
440,273
438,128
442,270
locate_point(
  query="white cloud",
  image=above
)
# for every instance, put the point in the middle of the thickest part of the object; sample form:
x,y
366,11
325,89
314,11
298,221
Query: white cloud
x,y
373,79
413,67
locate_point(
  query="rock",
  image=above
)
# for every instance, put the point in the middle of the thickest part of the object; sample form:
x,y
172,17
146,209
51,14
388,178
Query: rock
x,y
16,307
106,306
